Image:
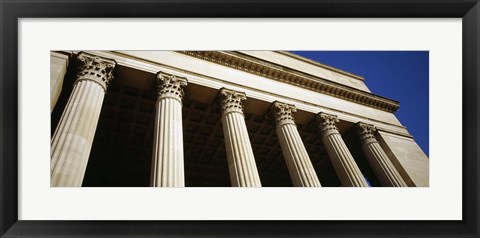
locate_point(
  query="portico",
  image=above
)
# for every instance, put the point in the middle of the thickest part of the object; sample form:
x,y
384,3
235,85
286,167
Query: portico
x,y
176,119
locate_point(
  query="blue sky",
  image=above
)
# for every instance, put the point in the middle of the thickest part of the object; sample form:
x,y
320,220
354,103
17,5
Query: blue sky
x,y
398,75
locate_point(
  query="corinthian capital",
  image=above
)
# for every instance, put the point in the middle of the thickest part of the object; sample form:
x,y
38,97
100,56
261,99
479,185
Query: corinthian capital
x,y
366,132
283,113
327,124
170,86
96,69
231,101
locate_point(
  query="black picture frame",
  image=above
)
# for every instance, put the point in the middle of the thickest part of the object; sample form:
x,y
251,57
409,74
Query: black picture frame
x,y
11,11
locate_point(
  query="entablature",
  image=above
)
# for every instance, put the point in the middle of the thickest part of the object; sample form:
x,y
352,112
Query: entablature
x,y
239,61
203,88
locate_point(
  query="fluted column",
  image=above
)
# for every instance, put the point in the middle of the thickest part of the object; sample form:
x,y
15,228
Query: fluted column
x,y
241,163
378,159
58,69
342,161
296,157
167,156
73,137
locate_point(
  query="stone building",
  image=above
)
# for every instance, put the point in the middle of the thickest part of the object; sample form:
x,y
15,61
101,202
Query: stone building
x,y
222,118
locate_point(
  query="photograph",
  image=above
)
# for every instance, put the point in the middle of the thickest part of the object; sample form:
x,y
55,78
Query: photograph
x,y
239,118
281,118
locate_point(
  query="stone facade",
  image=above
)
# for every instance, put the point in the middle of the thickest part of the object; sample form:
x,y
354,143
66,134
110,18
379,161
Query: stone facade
x,y
214,118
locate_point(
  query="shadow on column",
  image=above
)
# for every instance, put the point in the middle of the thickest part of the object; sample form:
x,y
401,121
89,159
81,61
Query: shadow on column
x,y
67,88
352,140
271,165
321,163
204,147
122,148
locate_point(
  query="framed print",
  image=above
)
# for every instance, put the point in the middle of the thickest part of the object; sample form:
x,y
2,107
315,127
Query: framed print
x,y
205,59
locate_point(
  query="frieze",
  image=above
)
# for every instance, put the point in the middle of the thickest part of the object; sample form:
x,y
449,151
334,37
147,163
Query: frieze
x,y
297,78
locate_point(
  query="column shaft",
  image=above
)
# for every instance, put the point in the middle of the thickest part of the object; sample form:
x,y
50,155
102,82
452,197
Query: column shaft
x,y
167,156
73,137
241,162
342,161
378,159
296,157
58,69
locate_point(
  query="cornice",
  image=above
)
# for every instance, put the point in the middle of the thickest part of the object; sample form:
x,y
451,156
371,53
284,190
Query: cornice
x,y
280,73
309,61
153,67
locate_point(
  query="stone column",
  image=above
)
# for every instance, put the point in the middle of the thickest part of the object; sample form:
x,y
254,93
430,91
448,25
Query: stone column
x,y
241,163
73,137
58,69
342,161
296,157
167,156
378,159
